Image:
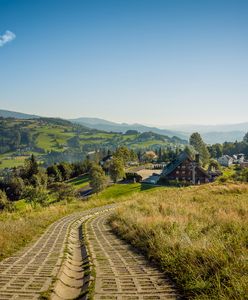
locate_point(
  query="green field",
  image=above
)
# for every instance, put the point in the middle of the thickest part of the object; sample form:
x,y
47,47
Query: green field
x,y
80,181
46,135
118,190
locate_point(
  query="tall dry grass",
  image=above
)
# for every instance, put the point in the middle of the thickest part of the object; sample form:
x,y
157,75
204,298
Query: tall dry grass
x,y
198,235
17,229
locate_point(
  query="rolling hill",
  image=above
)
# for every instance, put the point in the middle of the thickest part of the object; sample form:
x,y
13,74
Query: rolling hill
x,y
98,123
210,133
17,115
54,140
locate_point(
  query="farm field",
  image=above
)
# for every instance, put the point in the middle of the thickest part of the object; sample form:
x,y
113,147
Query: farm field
x,y
51,138
197,235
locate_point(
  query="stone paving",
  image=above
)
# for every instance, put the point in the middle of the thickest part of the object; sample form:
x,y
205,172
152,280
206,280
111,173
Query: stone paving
x,y
122,273
31,271
59,261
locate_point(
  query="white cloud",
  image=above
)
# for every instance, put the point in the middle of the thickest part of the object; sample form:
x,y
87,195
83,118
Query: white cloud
x,y
7,37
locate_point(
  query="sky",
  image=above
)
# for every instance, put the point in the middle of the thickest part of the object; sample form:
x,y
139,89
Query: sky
x,y
157,62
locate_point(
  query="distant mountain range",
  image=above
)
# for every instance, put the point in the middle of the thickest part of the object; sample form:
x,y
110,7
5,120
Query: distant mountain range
x,y
17,115
105,125
210,133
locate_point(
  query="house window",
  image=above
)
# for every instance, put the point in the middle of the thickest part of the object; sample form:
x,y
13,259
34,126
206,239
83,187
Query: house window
x,y
177,172
183,172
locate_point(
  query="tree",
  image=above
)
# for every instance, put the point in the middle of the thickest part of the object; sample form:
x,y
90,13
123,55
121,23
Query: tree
x,y
189,150
149,156
98,180
31,167
80,168
14,188
245,139
200,147
54,173
124,154
213,165
65,170
36,196
40,179
116,169
131,132
63,191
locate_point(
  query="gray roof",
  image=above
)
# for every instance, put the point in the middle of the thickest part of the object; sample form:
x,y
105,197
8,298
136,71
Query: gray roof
x,y
175,163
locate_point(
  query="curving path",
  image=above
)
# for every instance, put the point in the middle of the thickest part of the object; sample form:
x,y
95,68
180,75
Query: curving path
x,y
122,273
59,265
31,271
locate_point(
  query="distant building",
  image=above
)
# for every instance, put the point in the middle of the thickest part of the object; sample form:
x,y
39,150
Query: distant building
x,y
226,160
184,168
240,158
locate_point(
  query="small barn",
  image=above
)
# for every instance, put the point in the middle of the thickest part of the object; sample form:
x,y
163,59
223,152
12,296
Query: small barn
x,y
185,169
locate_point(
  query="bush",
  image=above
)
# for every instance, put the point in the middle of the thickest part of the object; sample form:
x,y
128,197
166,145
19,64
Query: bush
x,y
14,188
116,169
63,191
97,177
39,180
5,204
36,196
133,177
3,200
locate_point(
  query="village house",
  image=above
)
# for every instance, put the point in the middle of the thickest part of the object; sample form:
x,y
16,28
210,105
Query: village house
x,y
225,160
184,168
239,158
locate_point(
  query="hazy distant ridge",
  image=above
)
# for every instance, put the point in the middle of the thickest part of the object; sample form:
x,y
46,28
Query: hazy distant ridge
x,y
17,115
102,124
210,133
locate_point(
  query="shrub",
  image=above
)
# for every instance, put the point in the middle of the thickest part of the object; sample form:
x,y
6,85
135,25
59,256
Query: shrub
x,y
5,204
98,180
3,199
14,188
36,196
63,191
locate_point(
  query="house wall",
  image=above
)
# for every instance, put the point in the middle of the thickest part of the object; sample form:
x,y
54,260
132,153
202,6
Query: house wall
x,y
184,173
224,161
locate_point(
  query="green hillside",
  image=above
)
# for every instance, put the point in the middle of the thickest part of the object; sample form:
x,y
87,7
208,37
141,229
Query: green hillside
x,y
55,140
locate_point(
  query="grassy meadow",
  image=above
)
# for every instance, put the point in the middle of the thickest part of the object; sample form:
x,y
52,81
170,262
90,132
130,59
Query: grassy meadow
x,y
197,235
80,181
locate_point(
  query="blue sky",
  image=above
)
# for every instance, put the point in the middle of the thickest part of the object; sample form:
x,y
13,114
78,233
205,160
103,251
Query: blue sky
x,y
146,61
